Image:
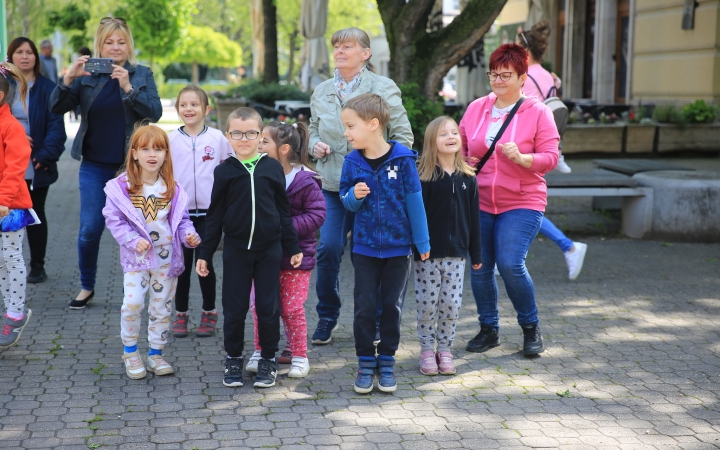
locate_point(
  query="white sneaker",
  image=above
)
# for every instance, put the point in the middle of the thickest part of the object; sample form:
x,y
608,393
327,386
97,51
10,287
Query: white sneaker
x,y
562,166
575,259
252,365
300,367
158,365
134,367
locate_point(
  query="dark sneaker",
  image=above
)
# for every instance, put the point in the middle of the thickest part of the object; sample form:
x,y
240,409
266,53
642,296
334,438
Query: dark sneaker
x,y
37,274
486,339
207,324
365,375
285,357
533,342
81,304
12,329
323,332
267,371
233,372
386,373
180,325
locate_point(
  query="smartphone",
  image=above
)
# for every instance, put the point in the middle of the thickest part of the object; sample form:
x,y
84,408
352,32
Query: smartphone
x,y
99,65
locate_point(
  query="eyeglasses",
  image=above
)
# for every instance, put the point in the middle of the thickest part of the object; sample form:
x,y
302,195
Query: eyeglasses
x,y
119,20
505,76
239,135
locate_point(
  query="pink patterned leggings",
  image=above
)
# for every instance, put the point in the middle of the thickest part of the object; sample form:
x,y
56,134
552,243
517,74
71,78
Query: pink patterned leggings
x,y
294,287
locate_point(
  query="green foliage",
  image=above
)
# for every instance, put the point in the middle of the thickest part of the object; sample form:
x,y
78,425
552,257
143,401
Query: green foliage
x,y
203,44
667,114
420,110
268,93
699,112
71,18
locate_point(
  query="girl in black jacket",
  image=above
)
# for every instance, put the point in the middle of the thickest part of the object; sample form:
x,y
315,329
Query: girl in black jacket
x,y
450,195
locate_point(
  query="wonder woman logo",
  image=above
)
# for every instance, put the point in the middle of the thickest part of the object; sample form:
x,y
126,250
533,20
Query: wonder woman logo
x,y
149,206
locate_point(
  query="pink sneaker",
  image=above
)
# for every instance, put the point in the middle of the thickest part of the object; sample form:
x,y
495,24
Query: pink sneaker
x,y
428,366
445,363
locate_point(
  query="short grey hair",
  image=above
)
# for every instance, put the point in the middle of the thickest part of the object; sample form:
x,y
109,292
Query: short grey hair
x,y
356,35
45,43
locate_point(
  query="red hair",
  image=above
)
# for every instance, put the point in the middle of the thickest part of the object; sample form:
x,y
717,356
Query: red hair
x,y
510,55
146,136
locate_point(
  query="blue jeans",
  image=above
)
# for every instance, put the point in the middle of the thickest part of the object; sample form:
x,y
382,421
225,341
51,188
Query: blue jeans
x,y
505,240
549,230
93,177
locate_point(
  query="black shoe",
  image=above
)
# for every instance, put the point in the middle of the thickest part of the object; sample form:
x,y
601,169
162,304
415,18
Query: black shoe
x,y
81,304
323,332
37,274
233,372
486,339
267,371
533,344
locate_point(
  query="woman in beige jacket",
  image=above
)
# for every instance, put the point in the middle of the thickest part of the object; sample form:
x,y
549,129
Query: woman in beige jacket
x,y
353,76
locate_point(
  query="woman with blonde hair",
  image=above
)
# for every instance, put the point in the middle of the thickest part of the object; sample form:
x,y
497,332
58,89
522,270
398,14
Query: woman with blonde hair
x,y
111,104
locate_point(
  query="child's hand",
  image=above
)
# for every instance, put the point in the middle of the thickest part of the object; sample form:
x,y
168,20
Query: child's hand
x,y
142,246
361,190
201,268
192,239
424,256
4,211
295,260
476,266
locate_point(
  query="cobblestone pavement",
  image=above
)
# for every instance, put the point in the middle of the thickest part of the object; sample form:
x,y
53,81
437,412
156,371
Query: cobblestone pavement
x,y
631,362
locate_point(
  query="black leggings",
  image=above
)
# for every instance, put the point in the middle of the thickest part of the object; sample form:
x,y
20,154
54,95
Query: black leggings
x,y
207,284
38,234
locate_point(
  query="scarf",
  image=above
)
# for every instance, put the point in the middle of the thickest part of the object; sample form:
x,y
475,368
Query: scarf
x,y
345,88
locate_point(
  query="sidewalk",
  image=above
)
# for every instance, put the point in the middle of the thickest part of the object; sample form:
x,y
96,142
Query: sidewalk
x,y
631,362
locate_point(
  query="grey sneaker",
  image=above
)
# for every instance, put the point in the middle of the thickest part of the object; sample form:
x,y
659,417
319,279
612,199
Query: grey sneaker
x,y
12,329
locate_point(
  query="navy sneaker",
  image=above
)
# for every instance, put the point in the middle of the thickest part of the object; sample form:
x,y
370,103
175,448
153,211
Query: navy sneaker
x,y
233,372
365,375
386,373
267,371
323,332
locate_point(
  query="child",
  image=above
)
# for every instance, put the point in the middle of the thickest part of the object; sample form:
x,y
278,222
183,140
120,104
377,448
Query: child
x,y
250,205
288,144
146,212
380,184
196,150
450,196
15,206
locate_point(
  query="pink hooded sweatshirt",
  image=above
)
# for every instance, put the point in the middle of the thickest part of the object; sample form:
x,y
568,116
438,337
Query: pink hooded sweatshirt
x,y
502,184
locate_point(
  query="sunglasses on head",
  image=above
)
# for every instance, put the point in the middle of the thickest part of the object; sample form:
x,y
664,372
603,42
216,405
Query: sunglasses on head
x,y
119,20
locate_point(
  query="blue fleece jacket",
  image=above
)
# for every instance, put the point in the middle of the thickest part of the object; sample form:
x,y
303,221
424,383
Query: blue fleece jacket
x,y
392,217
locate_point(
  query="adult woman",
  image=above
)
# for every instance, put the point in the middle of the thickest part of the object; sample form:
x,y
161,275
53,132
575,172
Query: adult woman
x,y
46,133
110,105
512,190
353,76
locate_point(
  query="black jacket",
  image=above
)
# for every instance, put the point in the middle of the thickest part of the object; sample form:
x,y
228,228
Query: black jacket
x,y
453,213
48,133
252,209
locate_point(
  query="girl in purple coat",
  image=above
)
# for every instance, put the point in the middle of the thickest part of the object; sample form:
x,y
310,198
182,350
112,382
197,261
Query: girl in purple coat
x,y
289,145
146,212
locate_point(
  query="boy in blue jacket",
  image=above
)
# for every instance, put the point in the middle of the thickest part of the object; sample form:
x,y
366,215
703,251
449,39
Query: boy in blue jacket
x,y
380,183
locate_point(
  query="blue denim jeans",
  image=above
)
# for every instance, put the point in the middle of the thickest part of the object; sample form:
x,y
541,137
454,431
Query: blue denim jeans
x,y
505,240
93,177
549,230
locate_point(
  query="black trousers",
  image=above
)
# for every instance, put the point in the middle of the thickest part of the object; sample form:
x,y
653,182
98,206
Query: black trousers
x,y
240,268
207,284
380,281
38,234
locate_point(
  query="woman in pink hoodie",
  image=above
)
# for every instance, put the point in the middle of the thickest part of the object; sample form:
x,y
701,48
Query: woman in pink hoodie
x,y
513,193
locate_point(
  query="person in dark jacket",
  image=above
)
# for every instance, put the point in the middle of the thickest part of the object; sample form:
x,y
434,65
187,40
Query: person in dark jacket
x,y
249,203
110,104
46,133
450,196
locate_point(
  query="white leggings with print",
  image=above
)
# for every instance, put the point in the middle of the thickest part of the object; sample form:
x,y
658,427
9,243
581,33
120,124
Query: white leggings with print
x,y
12,271
438,291
162,291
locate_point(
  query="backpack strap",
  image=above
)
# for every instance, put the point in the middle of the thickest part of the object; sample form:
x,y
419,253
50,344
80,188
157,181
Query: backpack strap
x,y
500,132
538,87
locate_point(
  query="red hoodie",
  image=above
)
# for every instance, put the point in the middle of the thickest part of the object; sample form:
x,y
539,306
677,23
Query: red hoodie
x,y
14,158
504,185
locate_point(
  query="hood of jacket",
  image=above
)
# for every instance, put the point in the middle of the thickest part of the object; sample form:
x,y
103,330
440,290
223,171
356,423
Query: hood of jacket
x,y
397,151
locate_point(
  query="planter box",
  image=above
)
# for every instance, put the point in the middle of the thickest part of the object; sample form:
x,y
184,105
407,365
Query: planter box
x,y
225,106
640,138
696,137
604,138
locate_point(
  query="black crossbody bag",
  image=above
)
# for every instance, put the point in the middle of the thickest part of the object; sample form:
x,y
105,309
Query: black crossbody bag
x,y
500,132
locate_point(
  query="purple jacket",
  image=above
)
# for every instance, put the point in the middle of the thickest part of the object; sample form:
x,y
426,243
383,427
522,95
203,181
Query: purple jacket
x,y
307,208
128,227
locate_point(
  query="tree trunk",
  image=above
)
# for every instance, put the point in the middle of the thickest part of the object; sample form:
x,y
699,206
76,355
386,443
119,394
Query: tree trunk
x,y
291,55
270,75
422,57
195,73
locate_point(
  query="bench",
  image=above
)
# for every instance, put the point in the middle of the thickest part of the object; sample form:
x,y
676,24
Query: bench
x,y
636,201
